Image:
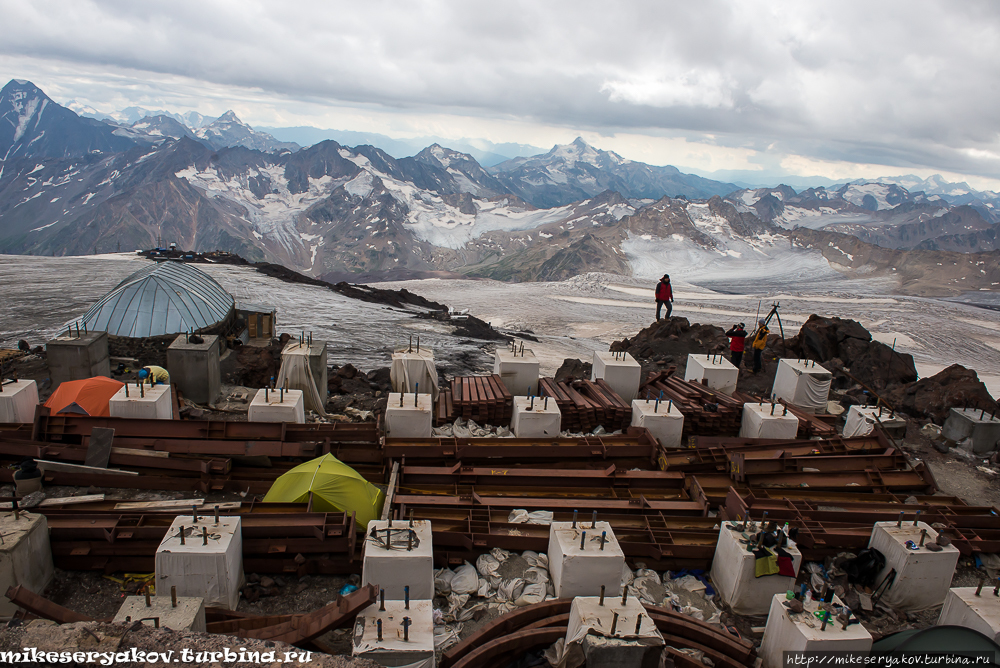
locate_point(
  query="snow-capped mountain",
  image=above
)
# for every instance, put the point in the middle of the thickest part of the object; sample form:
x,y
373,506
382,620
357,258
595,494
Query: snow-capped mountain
x,y
571,172
228,130
162,127
31,124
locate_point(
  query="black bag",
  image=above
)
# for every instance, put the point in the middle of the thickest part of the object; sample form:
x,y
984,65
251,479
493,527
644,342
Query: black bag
x,y
863,569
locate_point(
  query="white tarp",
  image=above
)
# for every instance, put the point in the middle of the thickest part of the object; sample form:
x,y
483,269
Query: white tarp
x,y
734,575
588,617
803,384
410,368
963,608
859,422
213,571
296,375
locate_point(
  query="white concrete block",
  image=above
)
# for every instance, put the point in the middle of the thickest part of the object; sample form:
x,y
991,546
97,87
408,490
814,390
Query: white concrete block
x,y
25,556
803,384
768,421
518,371
718,372
788,632
149,402
580,571
210,569
664,421
18,400
538,421
861,420
404,564
620,371
922,577
413,419
980,613
415,651
189,615
609,642
982,427
414,370
277,406
733,575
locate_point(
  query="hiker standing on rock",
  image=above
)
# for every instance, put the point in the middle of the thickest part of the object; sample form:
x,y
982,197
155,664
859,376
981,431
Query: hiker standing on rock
x,y
664,295
738,335
758,343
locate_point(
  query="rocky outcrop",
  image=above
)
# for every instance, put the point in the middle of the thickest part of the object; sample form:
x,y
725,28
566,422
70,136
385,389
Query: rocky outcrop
x,y
933,397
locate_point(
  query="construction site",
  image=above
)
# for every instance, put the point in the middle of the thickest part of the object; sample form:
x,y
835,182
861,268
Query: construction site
x,y
652,506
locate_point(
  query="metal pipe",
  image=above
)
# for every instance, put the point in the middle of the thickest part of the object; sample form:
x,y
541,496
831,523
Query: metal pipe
x,y
638,623
416,389
182,535
979,589
406,629
381,600
204,535
531,405
281,395
409,540
601,602
411,518
583,539
194,514
418,344
916,517
899,522
624,595
614,623
826,620
266,394
593,520
378,625
217,514
148,604
574,518
388,539
173,596
604,536
406,597
142,391
546,405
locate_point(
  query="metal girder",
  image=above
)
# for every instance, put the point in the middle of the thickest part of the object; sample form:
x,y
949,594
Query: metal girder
x,y
28,600
584,505
637,443
753,465
541,477
303,628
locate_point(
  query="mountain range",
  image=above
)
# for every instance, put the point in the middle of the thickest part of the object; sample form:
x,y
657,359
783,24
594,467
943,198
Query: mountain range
x,y
71,184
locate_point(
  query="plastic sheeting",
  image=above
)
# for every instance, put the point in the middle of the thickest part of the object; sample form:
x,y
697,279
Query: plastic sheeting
x,y
760,422
522,516
963,608
588,618
296,375
410,368
733,575
213,572
802,384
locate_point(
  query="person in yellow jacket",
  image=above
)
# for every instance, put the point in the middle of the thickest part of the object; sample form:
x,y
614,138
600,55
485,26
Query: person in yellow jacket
x,y
758,343
155,375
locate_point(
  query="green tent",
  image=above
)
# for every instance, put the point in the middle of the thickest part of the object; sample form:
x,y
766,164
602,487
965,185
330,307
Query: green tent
x,y
335,487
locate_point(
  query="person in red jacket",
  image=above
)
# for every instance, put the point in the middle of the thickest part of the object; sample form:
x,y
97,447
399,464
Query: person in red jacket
x,y
737,336
664,295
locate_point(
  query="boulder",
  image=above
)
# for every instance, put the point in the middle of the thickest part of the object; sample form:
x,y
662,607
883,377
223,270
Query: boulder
x,y
934,397
572,369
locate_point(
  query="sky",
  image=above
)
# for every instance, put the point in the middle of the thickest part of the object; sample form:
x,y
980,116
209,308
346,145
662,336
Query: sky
x,y
840,89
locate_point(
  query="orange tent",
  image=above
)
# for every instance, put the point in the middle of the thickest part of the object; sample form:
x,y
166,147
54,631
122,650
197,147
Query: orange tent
x,y
91,394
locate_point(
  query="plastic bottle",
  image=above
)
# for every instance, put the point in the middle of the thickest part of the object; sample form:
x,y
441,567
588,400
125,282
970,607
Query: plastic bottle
x,y
809,596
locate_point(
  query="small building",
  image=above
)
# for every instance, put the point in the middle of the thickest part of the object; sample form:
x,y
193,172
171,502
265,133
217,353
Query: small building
x,y
255,321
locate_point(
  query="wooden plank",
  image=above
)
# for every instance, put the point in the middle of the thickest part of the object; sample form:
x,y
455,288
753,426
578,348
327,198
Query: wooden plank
x,y
62,467
390,491
169,503
135,452
72,500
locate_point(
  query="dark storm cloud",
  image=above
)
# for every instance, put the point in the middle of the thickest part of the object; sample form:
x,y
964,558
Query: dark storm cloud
x,y
900,83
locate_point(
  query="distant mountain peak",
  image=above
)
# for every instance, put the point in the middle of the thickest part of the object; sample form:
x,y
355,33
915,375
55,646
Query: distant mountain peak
x,y
229,117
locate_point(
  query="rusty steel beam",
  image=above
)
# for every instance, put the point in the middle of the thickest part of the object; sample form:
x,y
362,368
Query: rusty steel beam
x,y
743,465
42,607
919,478
546,478
303,628
636,443
48,451
584,505
712,453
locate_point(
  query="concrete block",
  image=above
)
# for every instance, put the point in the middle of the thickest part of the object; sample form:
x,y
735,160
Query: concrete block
x,y
415,649
789,632
413,370
980,613
803,384
620,371
768,421
664,421
980,426
861,421
408,561
317,354
535,418
277,406
72,357
733,575
718,373
150,402
195,368
18,400
188,615
208,564
413,419
518,371
922,577
580,571
25,556
609,642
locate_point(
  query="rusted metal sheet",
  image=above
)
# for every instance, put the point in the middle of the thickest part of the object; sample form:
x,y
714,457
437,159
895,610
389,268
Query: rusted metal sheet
x,y
303,628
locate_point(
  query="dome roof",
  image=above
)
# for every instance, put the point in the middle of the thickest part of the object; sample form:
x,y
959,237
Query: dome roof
x,y
163,298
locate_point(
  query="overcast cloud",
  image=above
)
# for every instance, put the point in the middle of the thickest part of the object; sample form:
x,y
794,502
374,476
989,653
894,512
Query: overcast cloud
x,y
840,89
